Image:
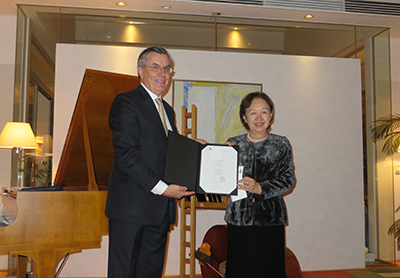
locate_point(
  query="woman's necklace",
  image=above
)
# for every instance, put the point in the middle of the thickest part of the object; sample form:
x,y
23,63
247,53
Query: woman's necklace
x,y
254,140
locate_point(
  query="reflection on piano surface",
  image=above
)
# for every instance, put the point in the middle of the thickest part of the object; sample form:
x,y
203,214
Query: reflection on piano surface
x,y
8,209
49,225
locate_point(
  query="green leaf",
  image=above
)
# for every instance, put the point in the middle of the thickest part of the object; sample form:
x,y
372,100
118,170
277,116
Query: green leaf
x,y
385,128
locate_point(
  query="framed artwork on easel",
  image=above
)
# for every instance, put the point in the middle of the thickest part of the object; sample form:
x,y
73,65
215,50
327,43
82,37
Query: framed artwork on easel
x,y
217,106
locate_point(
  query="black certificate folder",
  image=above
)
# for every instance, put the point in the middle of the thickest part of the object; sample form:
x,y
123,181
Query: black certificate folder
x,y
209,168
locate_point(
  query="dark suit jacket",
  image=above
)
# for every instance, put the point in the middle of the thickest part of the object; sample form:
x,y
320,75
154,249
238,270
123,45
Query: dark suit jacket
x,y
140,147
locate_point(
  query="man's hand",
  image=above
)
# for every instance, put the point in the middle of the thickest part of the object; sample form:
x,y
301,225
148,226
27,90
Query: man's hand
x,y
177,191
201,141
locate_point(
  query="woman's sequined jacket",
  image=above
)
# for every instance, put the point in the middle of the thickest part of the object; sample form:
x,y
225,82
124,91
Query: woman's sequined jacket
x,y
270,163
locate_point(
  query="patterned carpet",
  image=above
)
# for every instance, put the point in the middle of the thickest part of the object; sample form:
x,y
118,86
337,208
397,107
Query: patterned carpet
x,y
375,273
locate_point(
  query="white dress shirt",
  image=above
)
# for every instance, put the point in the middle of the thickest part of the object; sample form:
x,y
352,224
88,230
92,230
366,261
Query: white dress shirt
x,y
161,186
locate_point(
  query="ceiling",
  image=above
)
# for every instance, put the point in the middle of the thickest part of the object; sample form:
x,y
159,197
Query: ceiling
x,y
9,8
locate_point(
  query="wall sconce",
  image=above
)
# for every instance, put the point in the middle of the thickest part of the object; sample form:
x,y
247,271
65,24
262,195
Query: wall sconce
x,y
45,143
19,136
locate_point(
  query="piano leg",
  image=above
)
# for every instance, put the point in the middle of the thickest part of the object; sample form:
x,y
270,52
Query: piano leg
x,y
46,261
22,266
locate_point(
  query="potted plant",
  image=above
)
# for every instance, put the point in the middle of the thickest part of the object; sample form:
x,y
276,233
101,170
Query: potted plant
x,y
387,129
41,172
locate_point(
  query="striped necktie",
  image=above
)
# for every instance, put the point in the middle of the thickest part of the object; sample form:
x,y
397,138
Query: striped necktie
x,y
162,116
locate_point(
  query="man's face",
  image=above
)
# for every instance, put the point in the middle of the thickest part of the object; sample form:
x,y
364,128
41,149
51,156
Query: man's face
x,y
153,75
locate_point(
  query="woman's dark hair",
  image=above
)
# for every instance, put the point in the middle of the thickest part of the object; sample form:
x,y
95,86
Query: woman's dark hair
x,y
246,102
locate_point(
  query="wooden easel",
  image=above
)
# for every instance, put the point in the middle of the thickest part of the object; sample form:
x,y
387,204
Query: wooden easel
x,y
188,206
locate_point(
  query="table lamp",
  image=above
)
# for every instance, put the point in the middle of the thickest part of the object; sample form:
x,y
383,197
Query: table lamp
x,y
19,136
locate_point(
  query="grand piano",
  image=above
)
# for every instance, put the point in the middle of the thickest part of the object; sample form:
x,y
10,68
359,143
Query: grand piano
x,y
47,225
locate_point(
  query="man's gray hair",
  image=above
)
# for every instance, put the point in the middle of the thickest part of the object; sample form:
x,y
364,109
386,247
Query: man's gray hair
x,y
142,60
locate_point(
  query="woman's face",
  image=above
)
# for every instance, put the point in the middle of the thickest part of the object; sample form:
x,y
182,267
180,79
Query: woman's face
x,y
258,116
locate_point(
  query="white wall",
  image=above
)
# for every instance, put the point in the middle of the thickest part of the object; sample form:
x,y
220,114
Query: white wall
x,y
7,61
395,69
318,107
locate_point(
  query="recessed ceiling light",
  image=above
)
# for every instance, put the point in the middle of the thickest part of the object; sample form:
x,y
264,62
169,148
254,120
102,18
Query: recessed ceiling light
x,y
121,4
166,7
122,16
136,22
308,16
235,28
216,13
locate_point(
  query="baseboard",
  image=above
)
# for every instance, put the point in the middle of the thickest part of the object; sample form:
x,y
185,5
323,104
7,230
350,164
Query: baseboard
x,y
178,276
164,276
3,273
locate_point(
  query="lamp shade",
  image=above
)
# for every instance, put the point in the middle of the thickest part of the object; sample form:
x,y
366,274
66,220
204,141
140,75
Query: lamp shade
x,y
16,134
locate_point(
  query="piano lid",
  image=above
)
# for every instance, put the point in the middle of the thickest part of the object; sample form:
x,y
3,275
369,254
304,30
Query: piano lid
x,y
86,159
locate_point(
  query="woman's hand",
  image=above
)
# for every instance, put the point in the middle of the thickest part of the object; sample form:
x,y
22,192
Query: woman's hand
x,y
229,143
250,185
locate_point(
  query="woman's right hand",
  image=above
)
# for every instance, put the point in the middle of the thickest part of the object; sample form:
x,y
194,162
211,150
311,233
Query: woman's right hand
x,y
250,185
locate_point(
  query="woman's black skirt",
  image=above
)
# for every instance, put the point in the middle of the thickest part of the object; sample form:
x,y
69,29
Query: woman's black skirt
x,y
256,252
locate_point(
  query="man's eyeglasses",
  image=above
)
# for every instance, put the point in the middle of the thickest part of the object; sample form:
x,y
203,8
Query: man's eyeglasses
x,y
158,68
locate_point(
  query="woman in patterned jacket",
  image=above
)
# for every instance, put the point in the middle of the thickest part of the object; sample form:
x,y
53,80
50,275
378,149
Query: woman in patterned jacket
x,y
256,224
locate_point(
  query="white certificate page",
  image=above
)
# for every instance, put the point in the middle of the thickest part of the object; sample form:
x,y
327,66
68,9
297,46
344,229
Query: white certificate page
x,y
218,169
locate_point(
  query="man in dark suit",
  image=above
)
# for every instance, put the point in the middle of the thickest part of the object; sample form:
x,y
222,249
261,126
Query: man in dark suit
x,y
140,206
